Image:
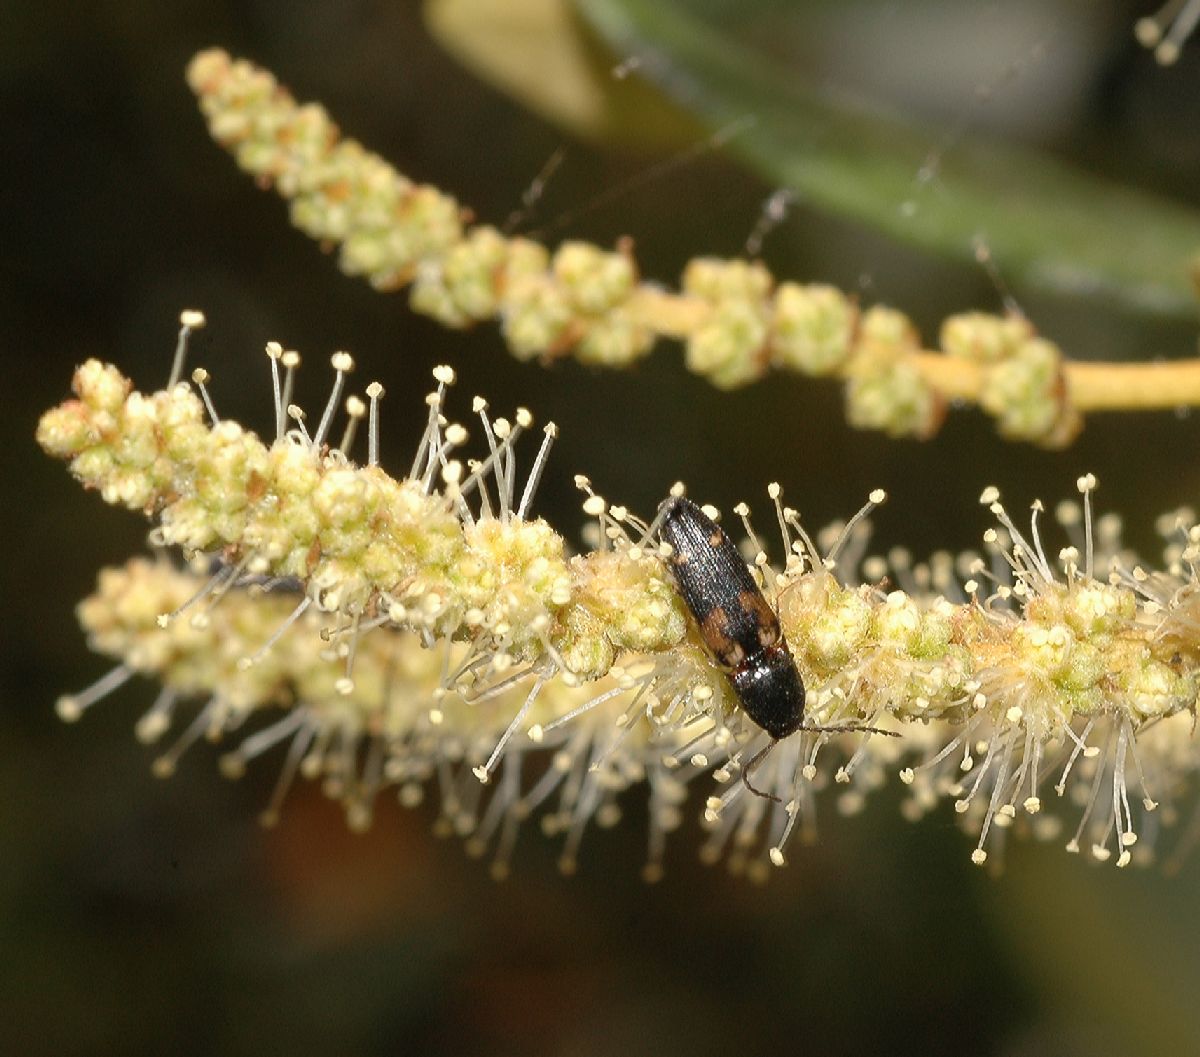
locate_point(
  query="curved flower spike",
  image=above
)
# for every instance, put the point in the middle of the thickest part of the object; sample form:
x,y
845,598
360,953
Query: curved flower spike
x,y
1032,667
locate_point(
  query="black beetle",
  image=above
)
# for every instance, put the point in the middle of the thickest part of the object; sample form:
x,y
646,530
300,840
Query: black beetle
x,y
737,624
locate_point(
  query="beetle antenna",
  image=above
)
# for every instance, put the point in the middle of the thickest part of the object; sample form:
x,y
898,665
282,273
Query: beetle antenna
x,y
753,762
852,728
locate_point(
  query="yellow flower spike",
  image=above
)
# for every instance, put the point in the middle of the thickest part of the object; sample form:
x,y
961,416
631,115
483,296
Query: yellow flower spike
x,y
341,193
591,304
405,728
1042,680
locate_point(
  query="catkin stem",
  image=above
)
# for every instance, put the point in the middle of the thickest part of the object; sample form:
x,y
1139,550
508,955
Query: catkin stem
x,y
1093,386
1134,386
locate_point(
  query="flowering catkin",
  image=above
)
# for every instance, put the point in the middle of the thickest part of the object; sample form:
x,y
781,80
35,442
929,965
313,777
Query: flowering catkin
x,y
397,726
366,545
581,300
434,620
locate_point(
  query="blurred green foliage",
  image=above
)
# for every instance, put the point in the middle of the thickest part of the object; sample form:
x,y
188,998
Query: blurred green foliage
x,y
1053,225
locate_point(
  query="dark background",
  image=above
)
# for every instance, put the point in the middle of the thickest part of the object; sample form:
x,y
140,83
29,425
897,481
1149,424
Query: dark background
x,y
139,916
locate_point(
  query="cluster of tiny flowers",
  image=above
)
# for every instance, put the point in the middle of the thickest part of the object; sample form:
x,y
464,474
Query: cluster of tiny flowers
x,y
1088,670
341,194
411,552
255,667
1024,383
587,302
433,628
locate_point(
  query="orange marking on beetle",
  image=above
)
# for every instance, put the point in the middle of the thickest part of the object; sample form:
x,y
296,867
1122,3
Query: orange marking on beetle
x,y
715,630
769,631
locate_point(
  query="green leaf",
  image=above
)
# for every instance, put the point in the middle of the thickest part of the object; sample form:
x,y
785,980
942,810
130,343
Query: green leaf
x,y
1049,225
